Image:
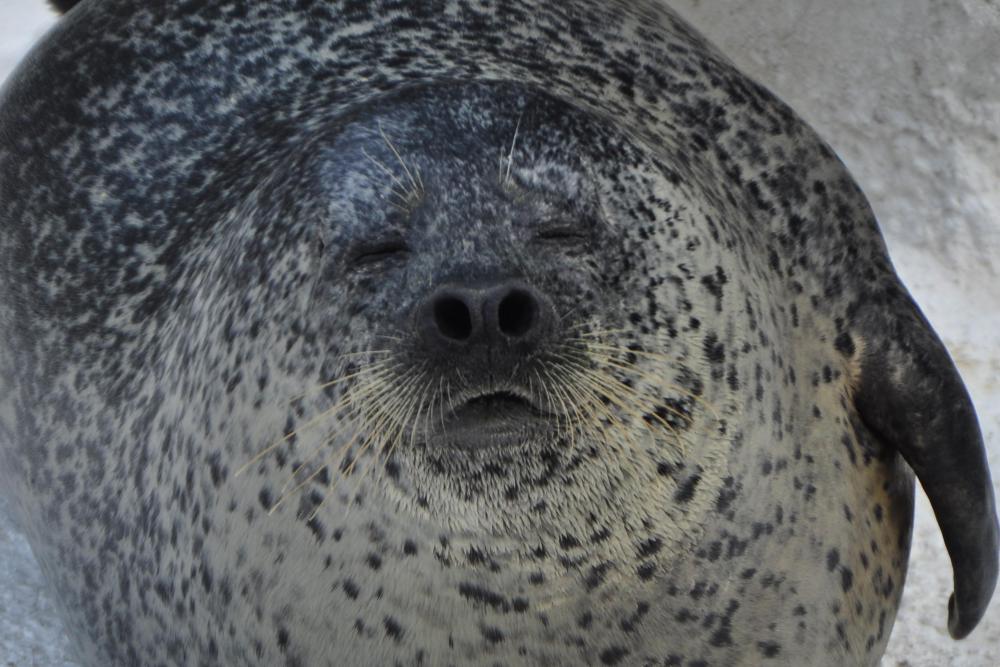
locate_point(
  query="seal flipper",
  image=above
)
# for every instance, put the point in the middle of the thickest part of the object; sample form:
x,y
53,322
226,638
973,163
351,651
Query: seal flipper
x,y
910,394
63,6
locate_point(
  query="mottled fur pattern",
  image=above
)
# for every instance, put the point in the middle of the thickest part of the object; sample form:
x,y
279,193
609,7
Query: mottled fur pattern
x,y
211,210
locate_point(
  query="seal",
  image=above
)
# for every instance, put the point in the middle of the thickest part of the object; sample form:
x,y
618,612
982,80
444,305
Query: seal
x,y
457,332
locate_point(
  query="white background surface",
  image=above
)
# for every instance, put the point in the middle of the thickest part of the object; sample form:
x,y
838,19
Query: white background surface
x,y
908,94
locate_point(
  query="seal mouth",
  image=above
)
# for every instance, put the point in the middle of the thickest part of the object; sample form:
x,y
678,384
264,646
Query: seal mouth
x,y
497,405
492,418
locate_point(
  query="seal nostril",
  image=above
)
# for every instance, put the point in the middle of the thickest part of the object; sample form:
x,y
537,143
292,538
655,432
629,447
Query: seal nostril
x,y
453,318
516,313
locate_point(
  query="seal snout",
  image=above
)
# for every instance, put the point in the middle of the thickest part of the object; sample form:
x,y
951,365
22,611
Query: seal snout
x,y
510,317
482,338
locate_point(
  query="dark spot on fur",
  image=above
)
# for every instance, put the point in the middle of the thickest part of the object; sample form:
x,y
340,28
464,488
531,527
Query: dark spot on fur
x,y
393,629
685,492
492,635
613,655
769,649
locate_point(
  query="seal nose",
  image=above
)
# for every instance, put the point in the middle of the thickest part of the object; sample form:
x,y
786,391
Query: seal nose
x,y
507,314
512,312
452,316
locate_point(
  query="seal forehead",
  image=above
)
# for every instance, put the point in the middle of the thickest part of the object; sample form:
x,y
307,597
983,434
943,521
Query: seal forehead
x,y
458,156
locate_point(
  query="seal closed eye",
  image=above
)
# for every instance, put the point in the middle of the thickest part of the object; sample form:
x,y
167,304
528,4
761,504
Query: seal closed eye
x,y
457,333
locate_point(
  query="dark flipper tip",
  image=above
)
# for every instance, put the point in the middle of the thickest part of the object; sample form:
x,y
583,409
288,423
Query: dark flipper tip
x,y
63,6
966,607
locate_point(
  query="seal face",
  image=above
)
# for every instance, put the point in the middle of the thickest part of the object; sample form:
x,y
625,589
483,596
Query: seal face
x,y
453,333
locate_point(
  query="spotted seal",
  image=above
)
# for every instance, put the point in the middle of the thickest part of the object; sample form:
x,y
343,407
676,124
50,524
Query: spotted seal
x,y
456,332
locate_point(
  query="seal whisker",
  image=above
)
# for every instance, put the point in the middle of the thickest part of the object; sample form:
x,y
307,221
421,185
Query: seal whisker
x,y
657,380
402,193
575,381
635,398
612,392
596,410
653,378
416,419
375,429
392,414
369,368
567,405
429,415
602,401
510,157
417,191
374,392
329,412
548,396
441,402
326,465
641,353
411,404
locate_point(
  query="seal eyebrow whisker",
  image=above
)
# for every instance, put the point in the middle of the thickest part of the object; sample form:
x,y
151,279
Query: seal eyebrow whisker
x,y
402,194
420,179
500,167
505,181
418,190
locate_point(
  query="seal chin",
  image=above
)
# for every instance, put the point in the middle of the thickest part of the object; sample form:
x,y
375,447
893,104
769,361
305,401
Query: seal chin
x,y
493,420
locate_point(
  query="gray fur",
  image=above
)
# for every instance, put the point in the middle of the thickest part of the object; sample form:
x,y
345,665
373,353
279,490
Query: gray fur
x,y
195,204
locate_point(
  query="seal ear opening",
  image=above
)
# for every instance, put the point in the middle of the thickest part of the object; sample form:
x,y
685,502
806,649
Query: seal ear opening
x,y
63,6
910,394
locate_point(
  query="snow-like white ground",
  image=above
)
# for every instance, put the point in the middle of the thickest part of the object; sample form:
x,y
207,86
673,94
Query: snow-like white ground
x,y
908,93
